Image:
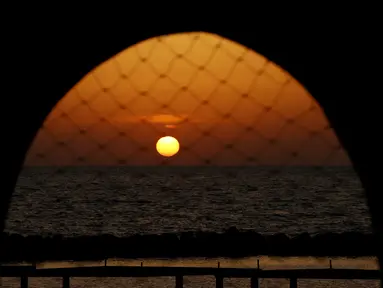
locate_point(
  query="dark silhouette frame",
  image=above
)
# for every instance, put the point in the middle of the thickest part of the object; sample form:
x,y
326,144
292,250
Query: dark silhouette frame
x,y
43,65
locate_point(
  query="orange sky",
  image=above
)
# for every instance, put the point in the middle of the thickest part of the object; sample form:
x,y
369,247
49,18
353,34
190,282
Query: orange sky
x,y
182,85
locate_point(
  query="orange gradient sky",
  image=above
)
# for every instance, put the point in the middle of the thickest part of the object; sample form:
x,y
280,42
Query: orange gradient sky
x,y
224,103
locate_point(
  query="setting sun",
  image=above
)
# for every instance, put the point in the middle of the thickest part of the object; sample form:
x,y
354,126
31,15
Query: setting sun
x,y
168,146
229,106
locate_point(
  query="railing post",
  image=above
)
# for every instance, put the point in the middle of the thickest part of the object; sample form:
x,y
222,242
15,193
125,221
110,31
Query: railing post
x,y
293,282
218,281
66,282
24,282
254,283
179,281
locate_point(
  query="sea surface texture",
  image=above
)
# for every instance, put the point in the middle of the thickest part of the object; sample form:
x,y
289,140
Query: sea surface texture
x,y
124,201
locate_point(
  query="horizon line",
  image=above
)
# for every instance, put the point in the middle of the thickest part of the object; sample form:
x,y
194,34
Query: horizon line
x,y
186,166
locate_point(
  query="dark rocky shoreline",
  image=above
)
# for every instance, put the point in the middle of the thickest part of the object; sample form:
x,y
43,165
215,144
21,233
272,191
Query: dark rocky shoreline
x,y
230,243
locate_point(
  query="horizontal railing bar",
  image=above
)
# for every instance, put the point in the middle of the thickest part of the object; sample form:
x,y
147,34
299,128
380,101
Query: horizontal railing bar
x,y
152,271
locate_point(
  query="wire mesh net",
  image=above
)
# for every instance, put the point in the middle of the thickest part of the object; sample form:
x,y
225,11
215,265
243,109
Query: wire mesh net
x,y
225,104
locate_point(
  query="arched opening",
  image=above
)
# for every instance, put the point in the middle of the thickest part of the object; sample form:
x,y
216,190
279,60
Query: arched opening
x,y
184,82
238,110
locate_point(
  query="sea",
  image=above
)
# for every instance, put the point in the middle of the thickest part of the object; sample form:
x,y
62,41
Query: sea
x,y
122,201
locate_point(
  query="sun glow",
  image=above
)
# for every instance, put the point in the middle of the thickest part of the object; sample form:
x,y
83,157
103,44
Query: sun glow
x,y
167,146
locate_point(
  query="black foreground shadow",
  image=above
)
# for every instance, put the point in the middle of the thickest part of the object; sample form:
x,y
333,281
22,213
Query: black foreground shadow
x,y
321,56
230,243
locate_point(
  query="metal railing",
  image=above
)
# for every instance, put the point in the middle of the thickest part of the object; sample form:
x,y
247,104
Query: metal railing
x,y
254,274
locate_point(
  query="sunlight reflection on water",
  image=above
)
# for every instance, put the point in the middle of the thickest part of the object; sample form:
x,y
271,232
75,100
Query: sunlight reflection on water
x,y
266,262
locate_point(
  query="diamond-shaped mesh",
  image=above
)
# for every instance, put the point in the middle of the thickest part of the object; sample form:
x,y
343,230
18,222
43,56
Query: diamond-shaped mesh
x,y
225,104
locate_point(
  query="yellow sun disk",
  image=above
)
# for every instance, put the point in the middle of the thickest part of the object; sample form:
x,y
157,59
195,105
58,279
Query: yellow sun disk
x,y
167,146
